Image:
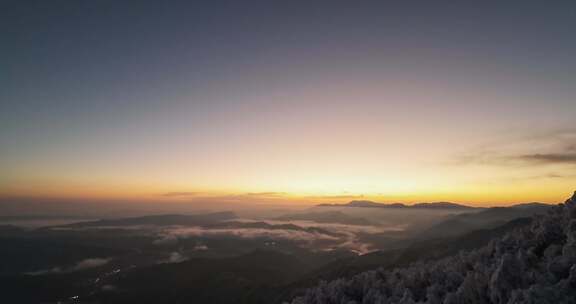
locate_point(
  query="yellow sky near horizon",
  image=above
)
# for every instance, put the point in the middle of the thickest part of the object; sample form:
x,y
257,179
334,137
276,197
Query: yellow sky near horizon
x,y
485,195
518,169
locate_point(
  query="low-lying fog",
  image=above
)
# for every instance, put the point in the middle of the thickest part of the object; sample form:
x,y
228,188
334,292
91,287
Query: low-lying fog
x,y
318,228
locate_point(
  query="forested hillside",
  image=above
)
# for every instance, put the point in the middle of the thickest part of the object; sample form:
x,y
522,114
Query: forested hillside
x,y
533,264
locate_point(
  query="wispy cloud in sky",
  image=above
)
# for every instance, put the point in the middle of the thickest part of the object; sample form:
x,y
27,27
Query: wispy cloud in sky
x,y
549,148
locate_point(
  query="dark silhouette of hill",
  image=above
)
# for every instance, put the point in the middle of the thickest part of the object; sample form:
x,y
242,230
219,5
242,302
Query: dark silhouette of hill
x,y
333,217
162,220
9,230
249,278
267,226
456,224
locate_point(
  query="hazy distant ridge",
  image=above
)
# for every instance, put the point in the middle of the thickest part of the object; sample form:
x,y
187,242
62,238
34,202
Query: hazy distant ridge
x,y
163,220
371,204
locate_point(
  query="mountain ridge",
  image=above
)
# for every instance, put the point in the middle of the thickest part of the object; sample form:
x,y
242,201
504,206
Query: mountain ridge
x,y
372,204
162,220
431,205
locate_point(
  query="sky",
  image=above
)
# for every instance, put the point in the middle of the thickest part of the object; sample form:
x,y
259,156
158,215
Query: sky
x,y
288,101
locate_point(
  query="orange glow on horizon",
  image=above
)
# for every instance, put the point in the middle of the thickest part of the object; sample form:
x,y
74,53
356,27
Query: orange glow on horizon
x,y
499,196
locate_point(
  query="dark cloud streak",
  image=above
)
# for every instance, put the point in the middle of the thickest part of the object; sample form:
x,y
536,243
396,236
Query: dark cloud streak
x,y
551,148
552,158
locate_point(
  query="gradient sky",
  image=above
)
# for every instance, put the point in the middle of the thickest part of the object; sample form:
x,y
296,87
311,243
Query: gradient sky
x,y
469,101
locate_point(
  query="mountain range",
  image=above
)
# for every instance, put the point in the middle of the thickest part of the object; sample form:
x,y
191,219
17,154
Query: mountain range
x,y
371,204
